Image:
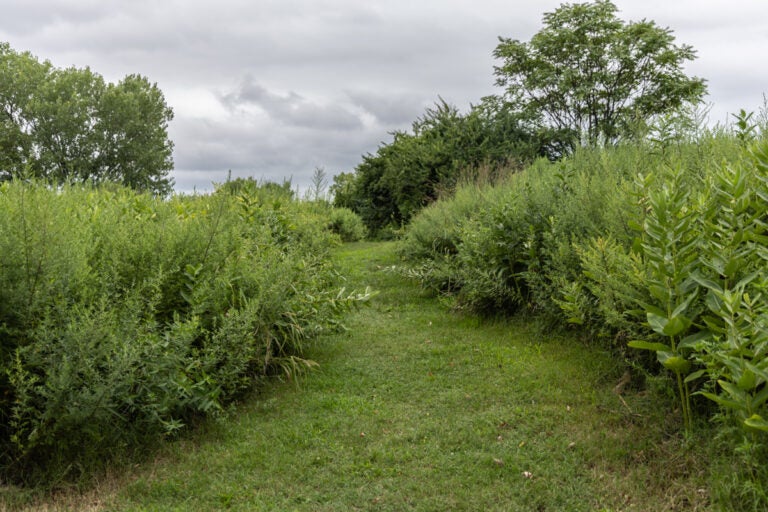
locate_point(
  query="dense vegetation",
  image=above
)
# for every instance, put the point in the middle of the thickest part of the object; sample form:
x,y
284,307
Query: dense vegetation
x,y
66,125
592,78
586,78
416,168
587,196
416,409
124,317
657,246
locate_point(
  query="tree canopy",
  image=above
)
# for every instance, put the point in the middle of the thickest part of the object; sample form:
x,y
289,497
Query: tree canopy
x,y
405,175
70,125
589,76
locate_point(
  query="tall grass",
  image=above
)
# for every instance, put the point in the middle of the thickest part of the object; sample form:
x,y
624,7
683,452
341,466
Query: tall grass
x,y
123,317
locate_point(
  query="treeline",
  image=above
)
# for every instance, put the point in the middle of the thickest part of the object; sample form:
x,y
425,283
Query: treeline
x,y
587,78
70,125
124,317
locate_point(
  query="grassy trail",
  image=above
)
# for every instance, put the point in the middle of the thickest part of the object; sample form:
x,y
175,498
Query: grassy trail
x,y
416,408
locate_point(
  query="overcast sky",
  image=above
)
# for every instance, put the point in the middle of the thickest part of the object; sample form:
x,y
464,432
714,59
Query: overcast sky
x,y
275,88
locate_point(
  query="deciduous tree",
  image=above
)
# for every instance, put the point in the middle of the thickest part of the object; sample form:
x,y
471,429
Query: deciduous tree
x,y
70,125
588,76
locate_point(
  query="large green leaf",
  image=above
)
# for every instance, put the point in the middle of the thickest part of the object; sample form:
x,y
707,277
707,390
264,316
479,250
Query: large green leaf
x,y
695,375
747,381
724,402
674,362
756,422
676,325
657,322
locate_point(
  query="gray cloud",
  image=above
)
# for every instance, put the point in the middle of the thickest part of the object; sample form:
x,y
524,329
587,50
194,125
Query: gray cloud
x,y
206,149
292,109
395,109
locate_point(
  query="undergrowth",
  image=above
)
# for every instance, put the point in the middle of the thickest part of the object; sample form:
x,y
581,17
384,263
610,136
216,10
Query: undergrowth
x,y
656,245
125,317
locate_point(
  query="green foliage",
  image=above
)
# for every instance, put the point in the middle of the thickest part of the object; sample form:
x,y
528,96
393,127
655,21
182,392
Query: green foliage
x,y
123,317
347,224
744,129
588,76
420,410
67,125
657,246
343,190
519,241
416,168
670,251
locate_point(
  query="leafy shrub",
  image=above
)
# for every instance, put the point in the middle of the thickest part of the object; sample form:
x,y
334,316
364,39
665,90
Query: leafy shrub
x,y
657,245
347,224
520,243
123,316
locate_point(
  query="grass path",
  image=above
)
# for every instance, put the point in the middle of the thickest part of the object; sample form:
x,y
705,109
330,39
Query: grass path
x,y
416,408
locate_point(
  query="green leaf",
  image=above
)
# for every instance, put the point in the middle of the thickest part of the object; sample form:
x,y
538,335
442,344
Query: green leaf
x,y
673,362
709,284
658,323
761,373
747,381
732,266
729,404
692,340
760,398
683,306
747,279
676,325
647,345
695,375
737,394
756,422
659,293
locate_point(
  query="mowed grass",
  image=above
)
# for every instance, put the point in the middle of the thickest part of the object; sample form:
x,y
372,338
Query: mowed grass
x,y
418,408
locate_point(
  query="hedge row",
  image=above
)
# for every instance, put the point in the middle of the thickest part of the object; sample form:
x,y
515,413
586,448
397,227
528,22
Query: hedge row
x,y
123,316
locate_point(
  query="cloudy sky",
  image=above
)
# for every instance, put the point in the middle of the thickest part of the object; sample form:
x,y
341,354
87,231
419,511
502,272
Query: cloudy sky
x,y
276,88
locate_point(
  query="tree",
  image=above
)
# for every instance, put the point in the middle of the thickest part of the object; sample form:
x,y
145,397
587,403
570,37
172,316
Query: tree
x,y
443,145
343,190
588,76
132,127
69,125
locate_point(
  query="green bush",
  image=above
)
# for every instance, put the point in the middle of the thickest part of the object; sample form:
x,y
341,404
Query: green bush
x,y
124,316
347,224
521,243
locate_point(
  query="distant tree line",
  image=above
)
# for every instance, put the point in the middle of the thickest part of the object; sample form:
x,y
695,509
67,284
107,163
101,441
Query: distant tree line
x,y
586,78
69,125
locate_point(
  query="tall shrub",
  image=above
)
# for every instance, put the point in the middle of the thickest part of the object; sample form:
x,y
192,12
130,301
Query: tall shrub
x,y
124,316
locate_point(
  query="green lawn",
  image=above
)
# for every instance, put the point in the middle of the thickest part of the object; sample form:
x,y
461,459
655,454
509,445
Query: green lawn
x,y
418,408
